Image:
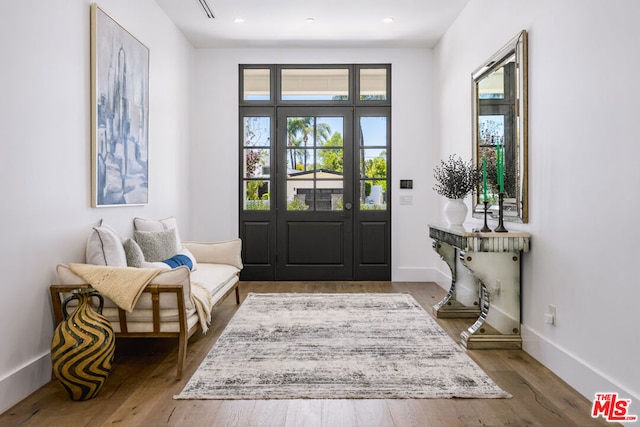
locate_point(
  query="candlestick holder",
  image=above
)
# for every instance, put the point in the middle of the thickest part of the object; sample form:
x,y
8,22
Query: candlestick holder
x,y
500,228
486,227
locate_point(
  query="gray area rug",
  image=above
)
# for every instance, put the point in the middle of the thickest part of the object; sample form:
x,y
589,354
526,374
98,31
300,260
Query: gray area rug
x,y
336,346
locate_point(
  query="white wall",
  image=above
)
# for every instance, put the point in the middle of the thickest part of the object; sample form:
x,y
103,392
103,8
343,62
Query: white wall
x,y
583,107
45,168
215,155
583,172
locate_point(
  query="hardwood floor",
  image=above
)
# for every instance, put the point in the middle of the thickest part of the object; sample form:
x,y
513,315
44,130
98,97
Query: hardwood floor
x,y
142,383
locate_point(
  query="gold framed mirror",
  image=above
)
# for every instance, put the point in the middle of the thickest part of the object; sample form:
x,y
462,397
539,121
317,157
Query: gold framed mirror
x,y
499,99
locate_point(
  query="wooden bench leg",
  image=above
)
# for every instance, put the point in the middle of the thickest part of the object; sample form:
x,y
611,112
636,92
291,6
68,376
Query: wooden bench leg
x,y
182,354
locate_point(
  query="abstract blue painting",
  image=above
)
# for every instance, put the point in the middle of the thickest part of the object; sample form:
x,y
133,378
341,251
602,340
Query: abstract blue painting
x,y
120,114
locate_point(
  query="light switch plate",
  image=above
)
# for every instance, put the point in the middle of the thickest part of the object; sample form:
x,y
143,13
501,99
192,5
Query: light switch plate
x,y
406,200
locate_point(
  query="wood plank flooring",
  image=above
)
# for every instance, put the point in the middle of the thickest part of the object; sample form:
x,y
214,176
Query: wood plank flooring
x,y
142,383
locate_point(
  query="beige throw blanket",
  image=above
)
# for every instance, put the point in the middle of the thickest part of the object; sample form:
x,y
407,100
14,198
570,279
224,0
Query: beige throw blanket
x,y
122,285
202,300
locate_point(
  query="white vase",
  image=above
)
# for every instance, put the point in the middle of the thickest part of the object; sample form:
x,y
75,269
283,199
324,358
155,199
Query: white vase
x,y
455,212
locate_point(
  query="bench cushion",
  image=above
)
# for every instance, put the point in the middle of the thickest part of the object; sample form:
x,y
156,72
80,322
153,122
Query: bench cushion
x,y
214,276
217,278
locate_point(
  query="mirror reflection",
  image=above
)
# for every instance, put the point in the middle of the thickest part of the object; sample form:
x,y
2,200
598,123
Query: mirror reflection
x,y
500,131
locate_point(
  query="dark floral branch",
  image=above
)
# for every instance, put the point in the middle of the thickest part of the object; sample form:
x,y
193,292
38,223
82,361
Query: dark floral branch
x,y
252,159
455,178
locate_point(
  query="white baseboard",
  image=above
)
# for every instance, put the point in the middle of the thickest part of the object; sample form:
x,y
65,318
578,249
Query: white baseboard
x,y
586,379
24,381
583,377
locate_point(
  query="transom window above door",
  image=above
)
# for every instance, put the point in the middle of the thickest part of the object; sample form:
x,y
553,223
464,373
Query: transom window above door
x,y
358,84
314,84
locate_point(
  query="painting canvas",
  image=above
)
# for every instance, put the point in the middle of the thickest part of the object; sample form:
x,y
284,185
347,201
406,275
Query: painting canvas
x,y
120,114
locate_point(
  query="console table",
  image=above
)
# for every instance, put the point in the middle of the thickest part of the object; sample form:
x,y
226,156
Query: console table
x,y
488,288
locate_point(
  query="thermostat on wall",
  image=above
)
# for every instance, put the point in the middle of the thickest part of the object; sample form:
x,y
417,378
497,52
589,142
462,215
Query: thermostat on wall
x,y
406,183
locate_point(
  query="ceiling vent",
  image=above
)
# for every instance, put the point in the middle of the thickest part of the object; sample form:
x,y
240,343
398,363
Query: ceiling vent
x,y
206,8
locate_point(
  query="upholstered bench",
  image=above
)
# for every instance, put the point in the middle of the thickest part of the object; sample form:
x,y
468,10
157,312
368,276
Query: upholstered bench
x,y
166,308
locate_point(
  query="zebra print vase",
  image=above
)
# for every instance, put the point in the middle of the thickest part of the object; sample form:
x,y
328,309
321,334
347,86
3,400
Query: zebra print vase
x,y
82,347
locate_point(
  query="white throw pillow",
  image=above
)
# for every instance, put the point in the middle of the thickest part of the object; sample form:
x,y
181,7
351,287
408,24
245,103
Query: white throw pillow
x,y
169,223
103,224
105,248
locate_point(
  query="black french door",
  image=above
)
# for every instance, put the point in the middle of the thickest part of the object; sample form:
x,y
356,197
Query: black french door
x,y
314,177
315,193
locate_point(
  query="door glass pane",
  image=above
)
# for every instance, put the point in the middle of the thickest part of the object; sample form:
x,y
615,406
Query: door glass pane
x,y
328,195
373,194
373,163
331,160
301,160
257,131
257,196
256,84
321,84
301,131
373,131
373,84
329,131
299,194
257,162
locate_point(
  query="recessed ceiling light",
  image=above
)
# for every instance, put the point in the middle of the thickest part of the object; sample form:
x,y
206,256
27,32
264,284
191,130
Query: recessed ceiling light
x,y
310,20
388,20
239,20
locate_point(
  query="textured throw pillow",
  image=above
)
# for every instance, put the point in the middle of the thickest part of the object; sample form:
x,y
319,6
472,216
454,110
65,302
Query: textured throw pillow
x,y
157,245
135,257
170,223
104,247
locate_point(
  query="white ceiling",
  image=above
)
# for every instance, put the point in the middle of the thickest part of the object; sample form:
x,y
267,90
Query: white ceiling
x,y
338,23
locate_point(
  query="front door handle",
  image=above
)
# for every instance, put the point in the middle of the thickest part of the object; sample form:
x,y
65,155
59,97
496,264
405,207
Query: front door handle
x,y
347,206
